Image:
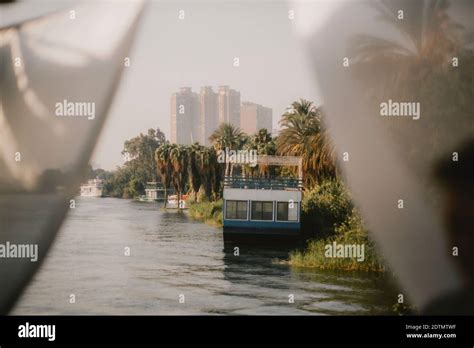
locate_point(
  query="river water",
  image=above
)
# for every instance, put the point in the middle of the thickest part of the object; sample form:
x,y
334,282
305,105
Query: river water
x,y
172,258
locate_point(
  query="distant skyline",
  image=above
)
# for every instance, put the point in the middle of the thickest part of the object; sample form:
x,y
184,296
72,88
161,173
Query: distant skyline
x,y
200,50
195,115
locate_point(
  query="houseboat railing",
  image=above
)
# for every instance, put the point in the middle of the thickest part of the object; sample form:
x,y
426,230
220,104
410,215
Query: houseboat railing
x,y
275,183
152,185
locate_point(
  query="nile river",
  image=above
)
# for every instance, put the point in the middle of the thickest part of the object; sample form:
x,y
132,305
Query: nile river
x,y
173,255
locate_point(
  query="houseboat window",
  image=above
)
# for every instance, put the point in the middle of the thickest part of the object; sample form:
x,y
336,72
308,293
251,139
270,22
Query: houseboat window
x,y
236,210
287,211
262,210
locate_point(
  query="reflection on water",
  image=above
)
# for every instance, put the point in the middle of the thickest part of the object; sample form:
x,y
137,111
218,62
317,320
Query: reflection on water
x,y
173,255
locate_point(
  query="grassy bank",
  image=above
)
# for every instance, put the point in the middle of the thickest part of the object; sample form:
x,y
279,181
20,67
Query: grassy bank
x,y
209,212
349,233
329,216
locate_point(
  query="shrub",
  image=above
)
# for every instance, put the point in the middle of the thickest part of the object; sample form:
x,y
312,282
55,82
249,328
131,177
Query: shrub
x,y
351,231
210,212
324,207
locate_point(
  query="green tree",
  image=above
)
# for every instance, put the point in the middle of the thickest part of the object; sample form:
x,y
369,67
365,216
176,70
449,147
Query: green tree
x,y
195,169
140,154
164,166
418,66
325,206
207,165
116,185
97,173
217,169
304,135
179,156
430,36
264,144
227,136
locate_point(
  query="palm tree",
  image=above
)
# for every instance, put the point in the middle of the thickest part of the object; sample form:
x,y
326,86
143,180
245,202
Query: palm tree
x,y
264,144
179,157
164,167
209,168
418,66
429,39
227,136
303,135
196,170
429,34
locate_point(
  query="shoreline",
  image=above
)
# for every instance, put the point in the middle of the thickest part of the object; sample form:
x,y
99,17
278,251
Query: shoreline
x,y
209,213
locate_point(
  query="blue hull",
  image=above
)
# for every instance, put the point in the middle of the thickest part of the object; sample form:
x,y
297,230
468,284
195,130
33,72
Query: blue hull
x,y
263,233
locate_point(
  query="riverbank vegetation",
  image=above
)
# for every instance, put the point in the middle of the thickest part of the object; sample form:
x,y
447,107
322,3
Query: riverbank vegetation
x,y
352,233
130,179
208,212
328,214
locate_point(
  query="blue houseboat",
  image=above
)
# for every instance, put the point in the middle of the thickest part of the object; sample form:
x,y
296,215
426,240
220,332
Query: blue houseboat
x,y
256,208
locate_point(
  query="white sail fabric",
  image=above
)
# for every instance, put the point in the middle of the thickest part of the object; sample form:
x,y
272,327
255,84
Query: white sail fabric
x,y
59,72
396,103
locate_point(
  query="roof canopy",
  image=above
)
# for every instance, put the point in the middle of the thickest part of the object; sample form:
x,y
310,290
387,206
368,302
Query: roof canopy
x,y
282,161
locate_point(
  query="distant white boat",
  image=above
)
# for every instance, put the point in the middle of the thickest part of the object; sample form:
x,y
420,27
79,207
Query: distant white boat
x,y
154,192
93,188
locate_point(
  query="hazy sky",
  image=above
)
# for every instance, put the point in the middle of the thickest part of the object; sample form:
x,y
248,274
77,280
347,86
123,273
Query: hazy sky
x,y
199,50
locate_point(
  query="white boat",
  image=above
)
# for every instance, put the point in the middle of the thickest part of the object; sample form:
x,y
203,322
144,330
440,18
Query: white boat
x,y
93,188
154,192
266,209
